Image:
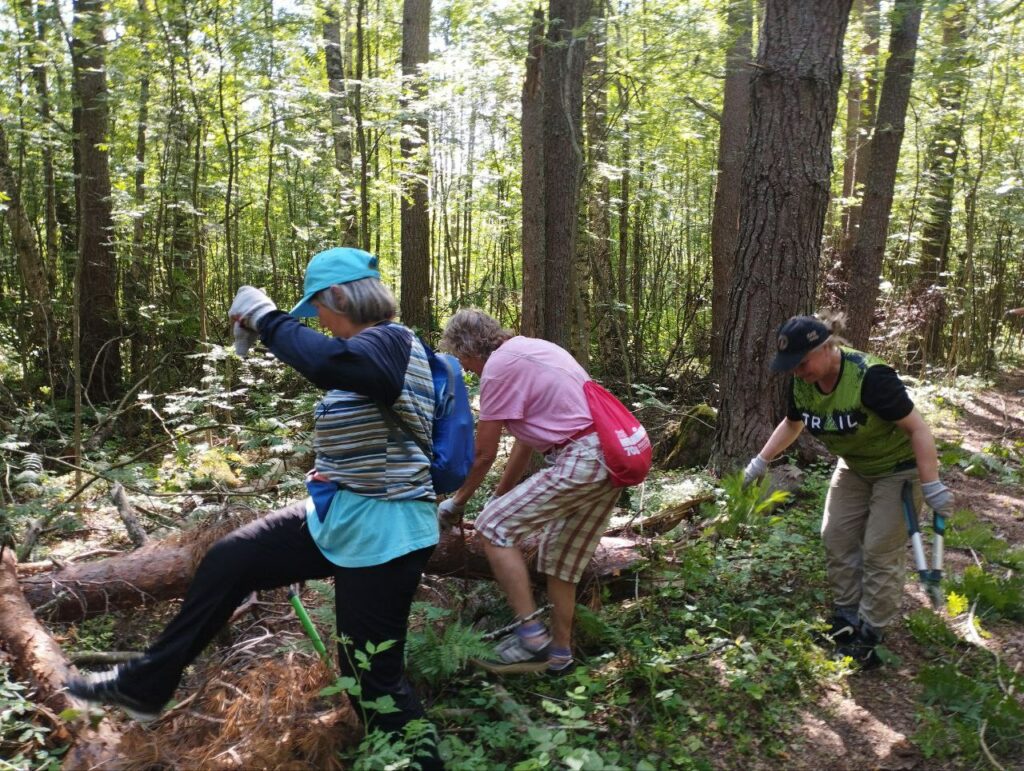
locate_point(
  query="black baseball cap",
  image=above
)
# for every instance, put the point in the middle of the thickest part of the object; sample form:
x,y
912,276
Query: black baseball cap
x,y
797,337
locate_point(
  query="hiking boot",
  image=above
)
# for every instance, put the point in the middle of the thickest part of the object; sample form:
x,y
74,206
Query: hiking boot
x,y
841,632
103,688
512,655
862,648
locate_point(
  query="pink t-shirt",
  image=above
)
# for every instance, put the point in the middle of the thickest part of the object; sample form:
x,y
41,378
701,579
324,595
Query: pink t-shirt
x,y
536,387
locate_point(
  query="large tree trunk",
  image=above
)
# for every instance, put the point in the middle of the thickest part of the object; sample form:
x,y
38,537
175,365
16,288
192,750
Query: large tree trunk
x,y
732,138
786,174
415,300
864,265
163,570
100,355
563,159
532,131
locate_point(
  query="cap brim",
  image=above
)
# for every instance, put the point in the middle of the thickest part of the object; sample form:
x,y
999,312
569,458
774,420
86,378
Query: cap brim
x,y
786,361
305,307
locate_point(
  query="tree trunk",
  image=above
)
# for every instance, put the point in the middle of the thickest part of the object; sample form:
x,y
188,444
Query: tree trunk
x,y
136,280
41,332
34,27
163,570
864,265
563,159
415,295
361,140
732,138
599,229
100,326
863,92
335,57
943,151
39,659
785,193
532,130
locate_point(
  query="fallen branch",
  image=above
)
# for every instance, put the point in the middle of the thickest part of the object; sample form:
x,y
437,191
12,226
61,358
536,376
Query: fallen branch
x,y
127,513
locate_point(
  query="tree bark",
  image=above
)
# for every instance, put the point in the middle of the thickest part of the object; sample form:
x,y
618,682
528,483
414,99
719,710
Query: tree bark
x,y
563,159
100,326
732,138
786,177
532,131
415,295
864,265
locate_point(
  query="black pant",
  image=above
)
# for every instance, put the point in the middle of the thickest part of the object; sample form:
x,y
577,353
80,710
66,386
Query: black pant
x,y
372,606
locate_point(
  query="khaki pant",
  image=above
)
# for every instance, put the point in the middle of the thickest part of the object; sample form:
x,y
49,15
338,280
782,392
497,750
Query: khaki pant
x,y
865,534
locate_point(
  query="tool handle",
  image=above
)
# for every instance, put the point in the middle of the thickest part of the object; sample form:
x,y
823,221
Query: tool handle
x,y
307,623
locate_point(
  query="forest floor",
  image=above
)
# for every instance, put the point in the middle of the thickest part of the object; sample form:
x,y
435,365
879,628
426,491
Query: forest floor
x,y
869,722
707,664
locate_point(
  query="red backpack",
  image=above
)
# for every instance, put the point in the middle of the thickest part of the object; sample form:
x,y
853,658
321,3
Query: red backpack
x,y
624,442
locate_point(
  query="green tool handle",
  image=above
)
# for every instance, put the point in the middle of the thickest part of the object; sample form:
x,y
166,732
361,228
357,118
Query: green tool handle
x,y
307,623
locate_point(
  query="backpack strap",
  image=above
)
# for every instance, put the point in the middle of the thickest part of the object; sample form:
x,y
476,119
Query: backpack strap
x,y
395,421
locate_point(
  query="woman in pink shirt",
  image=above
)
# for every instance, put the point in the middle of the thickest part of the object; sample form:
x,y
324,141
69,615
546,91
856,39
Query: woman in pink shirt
x,y
533,389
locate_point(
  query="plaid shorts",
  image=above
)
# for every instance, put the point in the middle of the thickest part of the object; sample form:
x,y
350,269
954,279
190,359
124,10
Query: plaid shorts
x,y
570,501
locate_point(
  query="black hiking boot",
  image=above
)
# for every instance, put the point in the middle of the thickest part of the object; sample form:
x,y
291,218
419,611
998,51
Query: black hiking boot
x,y
862,649
104,688
841,631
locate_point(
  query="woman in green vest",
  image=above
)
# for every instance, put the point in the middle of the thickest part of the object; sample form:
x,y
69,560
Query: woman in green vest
x,y
860,410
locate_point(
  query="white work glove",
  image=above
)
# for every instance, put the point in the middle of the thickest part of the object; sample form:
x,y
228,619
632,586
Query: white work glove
x,y
449,514
756,469
244,339
938,496
248,307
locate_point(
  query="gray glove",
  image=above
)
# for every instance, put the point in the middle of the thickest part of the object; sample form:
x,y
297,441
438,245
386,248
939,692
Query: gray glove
x,y
249,306
756,469
449,514
938,496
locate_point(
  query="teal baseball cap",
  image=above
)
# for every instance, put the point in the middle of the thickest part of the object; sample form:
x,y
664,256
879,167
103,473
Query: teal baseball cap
x,y
334,266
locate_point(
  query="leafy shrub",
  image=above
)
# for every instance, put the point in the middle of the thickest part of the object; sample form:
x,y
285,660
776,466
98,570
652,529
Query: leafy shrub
x,y
1000,596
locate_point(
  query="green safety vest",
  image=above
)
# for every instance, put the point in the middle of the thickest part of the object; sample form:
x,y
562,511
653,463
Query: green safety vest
x,y
868,444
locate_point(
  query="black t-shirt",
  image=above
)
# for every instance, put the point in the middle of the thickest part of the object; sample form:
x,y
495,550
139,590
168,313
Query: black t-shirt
x,y
882,392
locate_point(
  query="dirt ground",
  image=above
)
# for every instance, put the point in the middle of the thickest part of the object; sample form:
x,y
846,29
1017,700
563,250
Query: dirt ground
x,y
868,723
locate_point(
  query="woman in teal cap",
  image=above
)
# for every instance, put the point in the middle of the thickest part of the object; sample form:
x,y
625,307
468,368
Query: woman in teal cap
x,y
860,410
370,521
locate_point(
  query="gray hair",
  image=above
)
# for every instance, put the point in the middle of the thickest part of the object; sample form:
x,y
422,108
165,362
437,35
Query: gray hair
x,y
471,332
365,301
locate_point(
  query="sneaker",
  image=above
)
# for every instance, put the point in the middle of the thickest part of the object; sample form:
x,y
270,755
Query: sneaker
x,y
862,649
562,670
512,656
102,688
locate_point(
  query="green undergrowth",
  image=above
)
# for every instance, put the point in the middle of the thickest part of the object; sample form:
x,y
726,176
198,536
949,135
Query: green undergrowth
x,y
711,662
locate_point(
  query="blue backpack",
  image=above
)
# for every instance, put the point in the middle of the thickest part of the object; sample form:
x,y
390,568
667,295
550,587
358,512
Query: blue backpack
x,y
452,436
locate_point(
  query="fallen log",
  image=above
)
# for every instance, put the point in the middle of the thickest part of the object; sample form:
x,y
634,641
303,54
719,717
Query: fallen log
x,y
162,570
37,658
